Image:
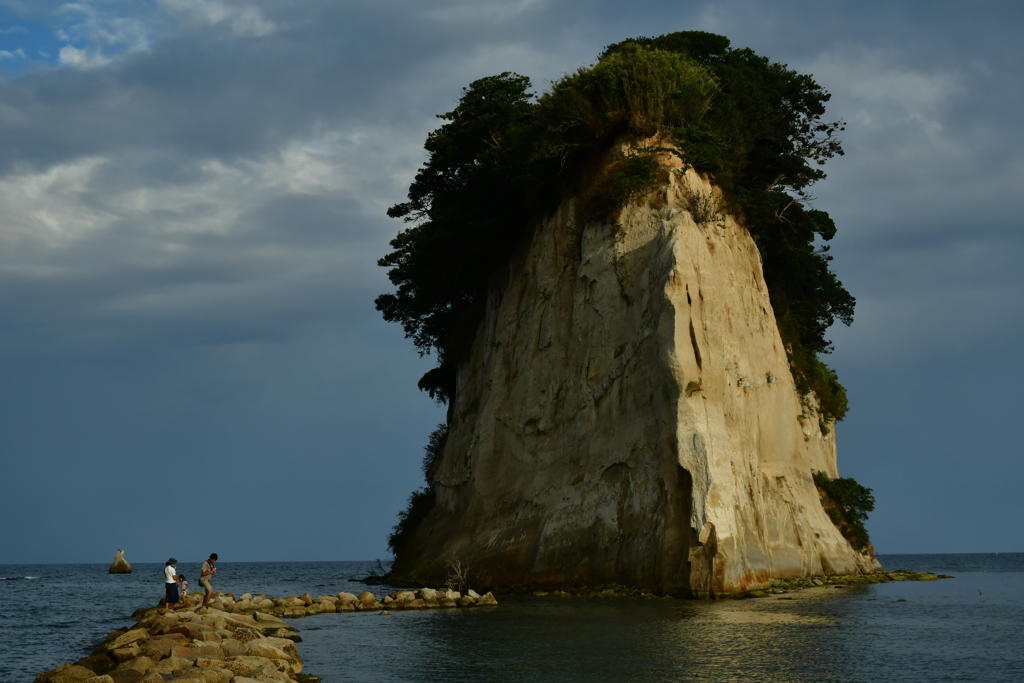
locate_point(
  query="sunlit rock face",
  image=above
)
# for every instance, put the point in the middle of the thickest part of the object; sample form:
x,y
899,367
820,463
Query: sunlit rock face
x,y
627,415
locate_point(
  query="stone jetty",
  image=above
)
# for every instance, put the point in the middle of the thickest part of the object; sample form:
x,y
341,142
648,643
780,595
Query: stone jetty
x,y
232,640
120,565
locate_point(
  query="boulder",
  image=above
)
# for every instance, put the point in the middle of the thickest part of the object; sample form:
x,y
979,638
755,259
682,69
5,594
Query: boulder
x,y
247,634
65,673
264,621
489,599
99,663
269,673
123,654
128,638
101,679
369,606
265,650
173,663
160,646
307,599
215,675
142,664
152,677
472,593
285,645
400,596
446,602
231,647
428,594
127,676
288,633
347,597
244,665
120,565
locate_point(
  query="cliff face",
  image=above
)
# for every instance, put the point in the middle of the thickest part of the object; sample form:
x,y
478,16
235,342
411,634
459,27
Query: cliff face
x,y
627,415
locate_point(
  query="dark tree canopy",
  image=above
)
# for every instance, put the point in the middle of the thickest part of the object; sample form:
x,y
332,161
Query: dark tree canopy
x,y
502,159
847,504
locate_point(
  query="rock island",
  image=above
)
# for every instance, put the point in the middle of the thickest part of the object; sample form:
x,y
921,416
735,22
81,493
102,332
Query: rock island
x,y
624,286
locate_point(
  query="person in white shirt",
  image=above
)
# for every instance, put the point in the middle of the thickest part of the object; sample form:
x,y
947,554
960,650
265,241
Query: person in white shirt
x,y
170,583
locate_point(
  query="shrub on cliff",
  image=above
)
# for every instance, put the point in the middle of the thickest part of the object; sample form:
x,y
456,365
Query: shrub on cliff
x,y
503,159
421,502
847,504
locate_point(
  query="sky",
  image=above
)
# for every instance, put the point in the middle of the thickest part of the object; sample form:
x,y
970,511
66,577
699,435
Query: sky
x,y
192,204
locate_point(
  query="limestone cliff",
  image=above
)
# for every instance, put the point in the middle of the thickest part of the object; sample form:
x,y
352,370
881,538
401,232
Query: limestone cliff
x,y
627,414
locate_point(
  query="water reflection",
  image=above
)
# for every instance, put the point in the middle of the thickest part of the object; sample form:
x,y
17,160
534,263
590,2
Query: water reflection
x,y
571,639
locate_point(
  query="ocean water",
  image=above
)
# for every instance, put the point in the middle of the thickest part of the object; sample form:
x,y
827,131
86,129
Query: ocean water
x,y
970,628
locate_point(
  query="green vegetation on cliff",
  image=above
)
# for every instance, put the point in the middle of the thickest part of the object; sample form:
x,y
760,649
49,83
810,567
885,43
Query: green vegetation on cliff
x,y
503,159
847,504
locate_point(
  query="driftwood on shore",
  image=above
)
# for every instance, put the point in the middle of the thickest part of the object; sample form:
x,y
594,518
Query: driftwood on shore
x,y
230,641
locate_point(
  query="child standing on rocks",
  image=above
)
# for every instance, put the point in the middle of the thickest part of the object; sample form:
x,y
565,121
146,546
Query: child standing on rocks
x,y
184,588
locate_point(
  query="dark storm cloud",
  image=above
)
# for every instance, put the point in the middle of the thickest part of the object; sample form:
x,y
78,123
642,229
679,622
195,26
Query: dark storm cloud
x,y
192,198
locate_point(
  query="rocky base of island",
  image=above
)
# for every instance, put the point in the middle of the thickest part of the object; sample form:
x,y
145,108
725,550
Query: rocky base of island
x,y
776,586
231,641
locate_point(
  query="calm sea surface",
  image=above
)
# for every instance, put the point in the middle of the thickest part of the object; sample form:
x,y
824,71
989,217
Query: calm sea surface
x,y
970,628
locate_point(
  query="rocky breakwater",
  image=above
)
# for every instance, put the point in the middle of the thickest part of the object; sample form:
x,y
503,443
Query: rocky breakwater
x,y
230,641
427,598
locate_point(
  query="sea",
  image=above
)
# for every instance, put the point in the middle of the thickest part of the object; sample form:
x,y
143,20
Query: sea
x,y
968,628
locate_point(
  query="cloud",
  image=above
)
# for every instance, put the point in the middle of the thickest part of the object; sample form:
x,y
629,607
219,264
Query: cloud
x,y
191,208
485,10
244,20
17,54
49,206
105,35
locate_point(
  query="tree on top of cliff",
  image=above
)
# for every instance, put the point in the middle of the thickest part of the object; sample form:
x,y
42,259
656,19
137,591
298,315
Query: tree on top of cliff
x,y
502,159
469,209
